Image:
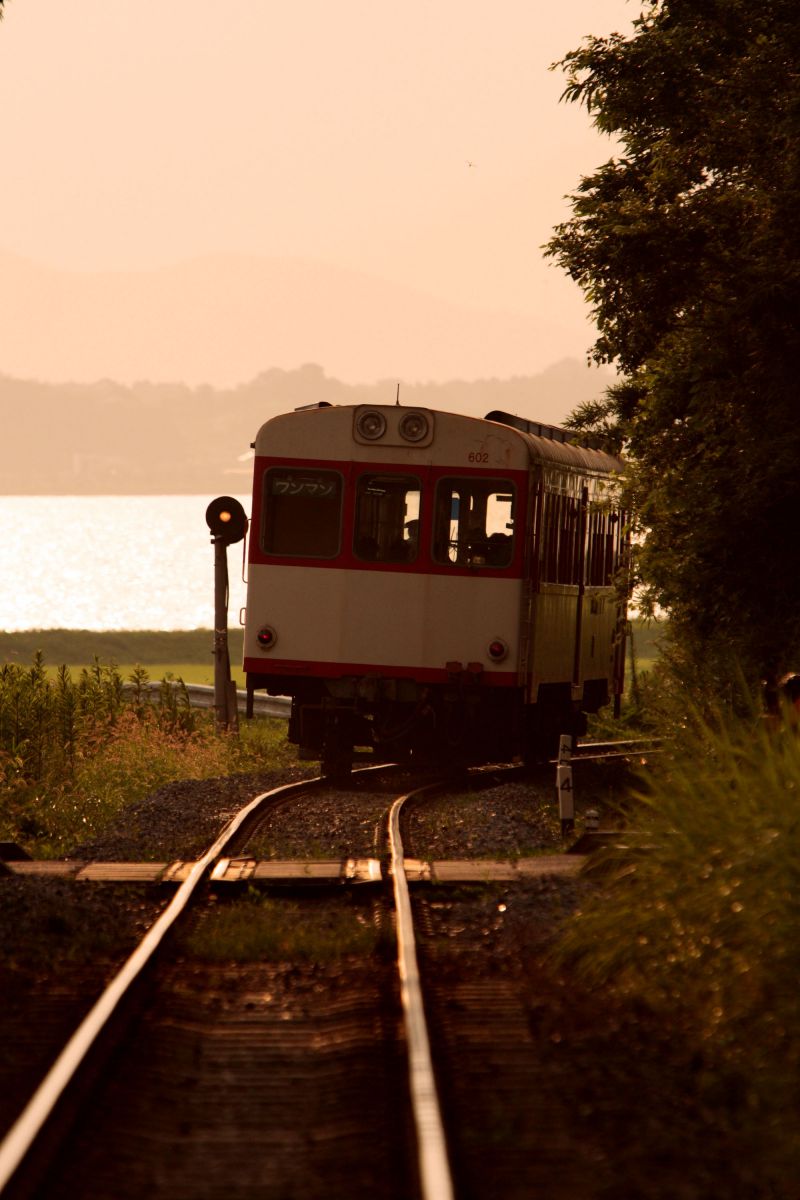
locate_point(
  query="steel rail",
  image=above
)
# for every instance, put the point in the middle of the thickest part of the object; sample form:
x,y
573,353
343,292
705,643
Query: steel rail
x,y
434,1167
584,752
21,1137
632,745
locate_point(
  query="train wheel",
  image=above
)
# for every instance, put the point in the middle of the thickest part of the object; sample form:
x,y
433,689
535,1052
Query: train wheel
x,y
337,752
337,766
337,744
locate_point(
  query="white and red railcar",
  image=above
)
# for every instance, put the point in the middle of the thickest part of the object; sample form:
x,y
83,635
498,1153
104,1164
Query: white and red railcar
x,y
429,584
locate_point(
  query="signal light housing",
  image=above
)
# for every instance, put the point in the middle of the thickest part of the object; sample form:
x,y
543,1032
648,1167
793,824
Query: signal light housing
x,y
227,520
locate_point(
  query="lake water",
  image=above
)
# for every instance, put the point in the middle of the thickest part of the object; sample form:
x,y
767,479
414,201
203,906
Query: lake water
x,y
111,562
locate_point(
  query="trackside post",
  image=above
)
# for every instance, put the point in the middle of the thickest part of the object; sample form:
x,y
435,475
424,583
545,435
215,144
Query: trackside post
x,y
564,792
227,521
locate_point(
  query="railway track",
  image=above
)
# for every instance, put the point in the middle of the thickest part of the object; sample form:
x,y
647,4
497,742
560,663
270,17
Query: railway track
x,y
97,1034
100,1117
244,1078
640,748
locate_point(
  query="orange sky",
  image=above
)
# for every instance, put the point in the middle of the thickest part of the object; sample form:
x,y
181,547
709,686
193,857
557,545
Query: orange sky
x,y
135,136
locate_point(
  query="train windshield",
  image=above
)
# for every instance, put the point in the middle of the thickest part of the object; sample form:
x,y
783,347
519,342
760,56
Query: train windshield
x,y
387,518
302,513
474,522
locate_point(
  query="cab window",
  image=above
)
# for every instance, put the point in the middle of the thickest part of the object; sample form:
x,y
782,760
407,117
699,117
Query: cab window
x,y
474,523
387,518
302,513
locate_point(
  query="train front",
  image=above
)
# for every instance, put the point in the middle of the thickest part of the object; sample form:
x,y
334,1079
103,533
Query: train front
x,y
385,581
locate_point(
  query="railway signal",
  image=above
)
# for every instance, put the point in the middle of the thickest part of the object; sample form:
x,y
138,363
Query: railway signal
x,y
227,521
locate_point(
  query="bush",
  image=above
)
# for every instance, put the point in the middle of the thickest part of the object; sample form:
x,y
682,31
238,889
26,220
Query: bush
x,y
72,753
696,918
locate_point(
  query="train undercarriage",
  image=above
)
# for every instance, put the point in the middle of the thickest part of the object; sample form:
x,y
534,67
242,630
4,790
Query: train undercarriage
x,y
460,723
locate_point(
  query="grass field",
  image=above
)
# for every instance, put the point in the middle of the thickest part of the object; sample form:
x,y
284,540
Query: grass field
x,y
186,654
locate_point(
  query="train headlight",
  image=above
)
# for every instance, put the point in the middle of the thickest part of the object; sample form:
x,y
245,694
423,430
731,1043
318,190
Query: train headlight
x,y
266,637
371,425
414,426
497,649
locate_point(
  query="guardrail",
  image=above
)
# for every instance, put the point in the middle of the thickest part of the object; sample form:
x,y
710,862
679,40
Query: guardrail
x,y
201,695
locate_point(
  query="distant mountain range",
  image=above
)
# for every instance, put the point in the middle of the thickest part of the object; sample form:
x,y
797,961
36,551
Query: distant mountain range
x,y
220,319
109,438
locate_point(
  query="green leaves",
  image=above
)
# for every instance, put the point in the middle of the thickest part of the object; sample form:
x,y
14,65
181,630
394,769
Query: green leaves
x,y
687,245
695,917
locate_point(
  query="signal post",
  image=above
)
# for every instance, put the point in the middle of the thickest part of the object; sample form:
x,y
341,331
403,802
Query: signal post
x,y
227,521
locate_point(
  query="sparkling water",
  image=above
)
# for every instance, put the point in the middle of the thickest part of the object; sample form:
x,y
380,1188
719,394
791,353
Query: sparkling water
x,y
111,562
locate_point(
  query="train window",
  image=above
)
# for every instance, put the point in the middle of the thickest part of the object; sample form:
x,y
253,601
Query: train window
x,y
561,549
474,522
600,550
302,513
607,539
560,539
387,518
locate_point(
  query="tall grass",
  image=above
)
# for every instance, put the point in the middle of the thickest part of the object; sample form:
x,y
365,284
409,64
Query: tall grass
x,y
697,919
75,751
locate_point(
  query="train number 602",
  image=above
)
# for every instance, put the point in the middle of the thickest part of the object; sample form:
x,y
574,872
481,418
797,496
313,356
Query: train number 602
x,y
478,456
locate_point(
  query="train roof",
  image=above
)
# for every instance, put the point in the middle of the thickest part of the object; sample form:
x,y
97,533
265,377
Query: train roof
x,y
535,441
563,446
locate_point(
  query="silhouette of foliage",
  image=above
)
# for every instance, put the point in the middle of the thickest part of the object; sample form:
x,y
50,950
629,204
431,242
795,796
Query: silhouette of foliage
x,y
686,244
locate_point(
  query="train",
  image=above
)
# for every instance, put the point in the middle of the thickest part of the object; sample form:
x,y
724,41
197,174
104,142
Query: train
x,y
429,587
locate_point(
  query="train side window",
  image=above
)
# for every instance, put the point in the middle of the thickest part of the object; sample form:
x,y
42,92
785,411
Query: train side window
x,y
597,565
606,530
560,536
301,513
474,522
387,518
620,543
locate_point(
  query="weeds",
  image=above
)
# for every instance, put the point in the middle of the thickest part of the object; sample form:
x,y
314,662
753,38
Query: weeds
x,y
74,752
697,918
257,928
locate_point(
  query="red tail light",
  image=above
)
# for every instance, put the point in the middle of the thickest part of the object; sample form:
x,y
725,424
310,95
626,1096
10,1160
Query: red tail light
x,y
267,637
497,649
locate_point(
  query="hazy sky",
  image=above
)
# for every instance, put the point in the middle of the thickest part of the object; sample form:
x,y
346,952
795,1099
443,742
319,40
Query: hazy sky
x,y
138,135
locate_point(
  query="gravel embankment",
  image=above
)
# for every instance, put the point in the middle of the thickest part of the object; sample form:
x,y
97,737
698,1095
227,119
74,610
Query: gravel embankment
x,y
180,820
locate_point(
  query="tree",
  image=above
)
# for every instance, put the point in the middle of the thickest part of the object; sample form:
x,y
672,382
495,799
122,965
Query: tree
x,y
687,246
